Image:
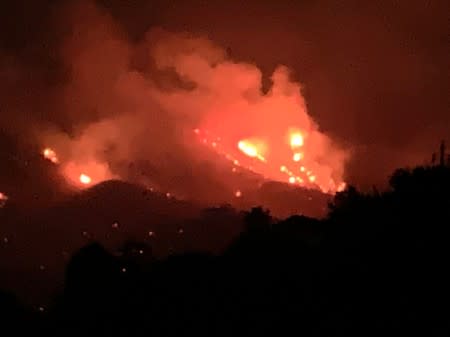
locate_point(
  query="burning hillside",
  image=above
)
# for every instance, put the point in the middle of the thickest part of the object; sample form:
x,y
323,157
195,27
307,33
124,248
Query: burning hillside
x,y
175,113
135,122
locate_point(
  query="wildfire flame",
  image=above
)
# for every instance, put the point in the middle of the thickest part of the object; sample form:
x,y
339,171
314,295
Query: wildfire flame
x,y
250,149
85,179
75,173
308,174
296,140
50,155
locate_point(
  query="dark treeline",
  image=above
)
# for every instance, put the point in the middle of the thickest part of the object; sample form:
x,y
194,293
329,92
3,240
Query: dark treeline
x,y
376,266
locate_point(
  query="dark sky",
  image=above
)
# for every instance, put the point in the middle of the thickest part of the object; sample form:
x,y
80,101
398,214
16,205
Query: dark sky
x,y
374,73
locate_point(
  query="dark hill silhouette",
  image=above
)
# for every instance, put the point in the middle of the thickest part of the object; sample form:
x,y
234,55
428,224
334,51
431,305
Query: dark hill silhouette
x,y
376,266
40,241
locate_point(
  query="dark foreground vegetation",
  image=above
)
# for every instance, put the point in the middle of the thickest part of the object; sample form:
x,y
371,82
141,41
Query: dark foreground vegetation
x,y
376,266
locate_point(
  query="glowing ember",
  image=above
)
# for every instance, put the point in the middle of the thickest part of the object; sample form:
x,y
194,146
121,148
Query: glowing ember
x,y
296,140
297,156
85,179
3,199
50,155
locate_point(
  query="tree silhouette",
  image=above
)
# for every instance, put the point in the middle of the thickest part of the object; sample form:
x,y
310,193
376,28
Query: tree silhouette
x,y
257,219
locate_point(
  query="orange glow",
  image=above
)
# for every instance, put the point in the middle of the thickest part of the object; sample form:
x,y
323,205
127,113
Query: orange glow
x,y
85,179
77,173
292,180
50,155
238,194
342,186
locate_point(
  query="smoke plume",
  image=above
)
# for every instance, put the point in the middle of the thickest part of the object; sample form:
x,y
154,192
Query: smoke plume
x,y
132,109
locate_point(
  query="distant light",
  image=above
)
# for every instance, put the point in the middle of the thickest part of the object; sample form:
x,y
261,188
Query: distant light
x,y
5,240
197,131
181,231
302,169
41,309
312,178
151,233
233,169
292,180
41,267
238,194
124,270
115,225
283,168
141,251
168,195
214,144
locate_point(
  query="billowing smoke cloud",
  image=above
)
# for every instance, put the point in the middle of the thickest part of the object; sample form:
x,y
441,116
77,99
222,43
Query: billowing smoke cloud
x,y
375,76
132,108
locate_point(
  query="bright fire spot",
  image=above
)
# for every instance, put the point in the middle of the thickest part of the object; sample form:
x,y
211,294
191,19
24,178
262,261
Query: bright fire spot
x,y
302,169
297,156
76,173
283,168
312,178
238,194
85,179
249,149
292,180
341,187
296,140
50,155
